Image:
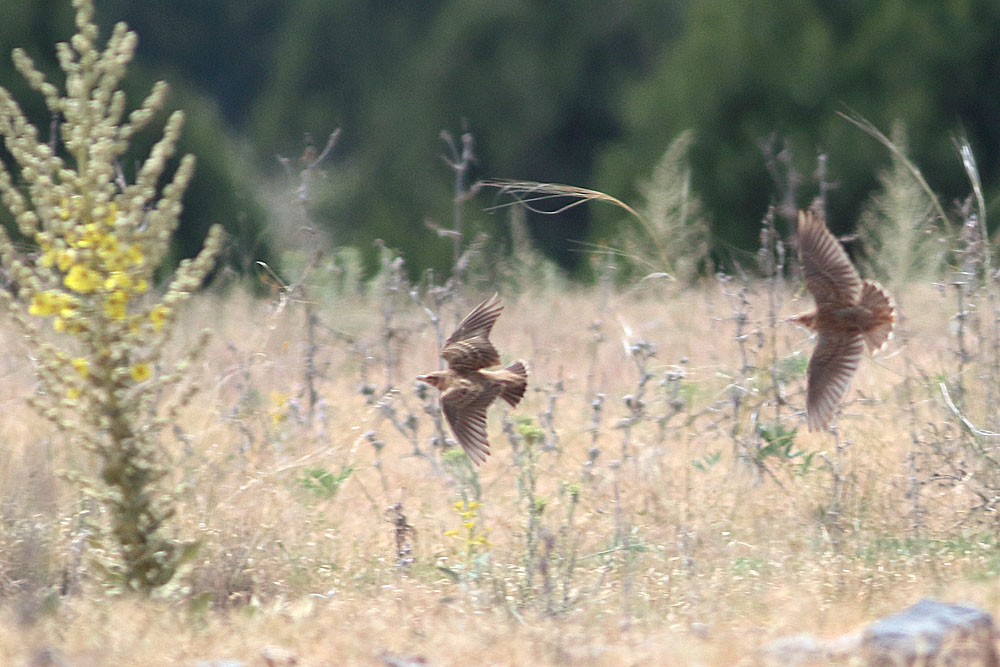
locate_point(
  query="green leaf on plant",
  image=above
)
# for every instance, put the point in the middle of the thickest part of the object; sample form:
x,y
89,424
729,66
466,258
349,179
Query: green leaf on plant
x,y
324,483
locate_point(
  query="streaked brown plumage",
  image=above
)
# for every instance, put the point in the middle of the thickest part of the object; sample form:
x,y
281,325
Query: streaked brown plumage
x,y
467,388
850,313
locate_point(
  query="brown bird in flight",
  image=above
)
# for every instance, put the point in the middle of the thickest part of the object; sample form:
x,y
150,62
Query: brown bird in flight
x,y
850,313
467,388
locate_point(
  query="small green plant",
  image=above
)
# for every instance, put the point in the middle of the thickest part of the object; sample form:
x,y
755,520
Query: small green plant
x,y
781,445
792,367
83,299
456,462
780,441
531,437
324,483
902,239
568,540
708,461
672,236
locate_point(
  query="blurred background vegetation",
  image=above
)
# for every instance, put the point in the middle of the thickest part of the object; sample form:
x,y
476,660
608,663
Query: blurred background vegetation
x,y
588,92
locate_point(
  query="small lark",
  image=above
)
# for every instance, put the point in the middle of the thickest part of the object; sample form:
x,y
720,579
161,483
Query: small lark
x,y
467,389
850,312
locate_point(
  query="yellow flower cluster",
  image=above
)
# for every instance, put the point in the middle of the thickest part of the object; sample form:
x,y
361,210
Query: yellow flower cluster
x,y
94,263
158,316
52,302
473,538
279,407
140,372
82,367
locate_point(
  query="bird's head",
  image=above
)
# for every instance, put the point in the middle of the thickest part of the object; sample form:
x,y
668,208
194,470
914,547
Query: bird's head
x,y
436,379
807,320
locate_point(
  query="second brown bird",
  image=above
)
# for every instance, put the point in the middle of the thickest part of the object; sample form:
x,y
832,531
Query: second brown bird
x,y
850,313
467,388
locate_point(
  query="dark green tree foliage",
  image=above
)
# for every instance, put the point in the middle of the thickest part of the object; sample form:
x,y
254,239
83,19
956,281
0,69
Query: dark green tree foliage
x,y
591,93
535,82
31,26
34,25
222,188
586,92
223,47
741,71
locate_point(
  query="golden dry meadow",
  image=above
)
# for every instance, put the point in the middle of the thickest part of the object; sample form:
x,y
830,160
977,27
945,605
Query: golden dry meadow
x,y
671,532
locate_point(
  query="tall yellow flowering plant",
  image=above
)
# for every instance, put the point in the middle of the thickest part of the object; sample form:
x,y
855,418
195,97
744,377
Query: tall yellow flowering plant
x,y
83,298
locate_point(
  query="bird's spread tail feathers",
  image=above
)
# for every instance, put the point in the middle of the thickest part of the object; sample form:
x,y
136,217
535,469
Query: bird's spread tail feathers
x,y
515,383
878,302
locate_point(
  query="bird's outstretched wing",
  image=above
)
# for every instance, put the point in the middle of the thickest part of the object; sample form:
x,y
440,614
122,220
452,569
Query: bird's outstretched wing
x,y
465,408
831,368
830,277
469,348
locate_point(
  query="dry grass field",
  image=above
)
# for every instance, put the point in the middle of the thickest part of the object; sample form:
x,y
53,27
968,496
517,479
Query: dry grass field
x,y
654,500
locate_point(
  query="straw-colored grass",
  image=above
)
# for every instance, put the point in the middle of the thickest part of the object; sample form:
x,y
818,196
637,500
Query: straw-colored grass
x,y
717,560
